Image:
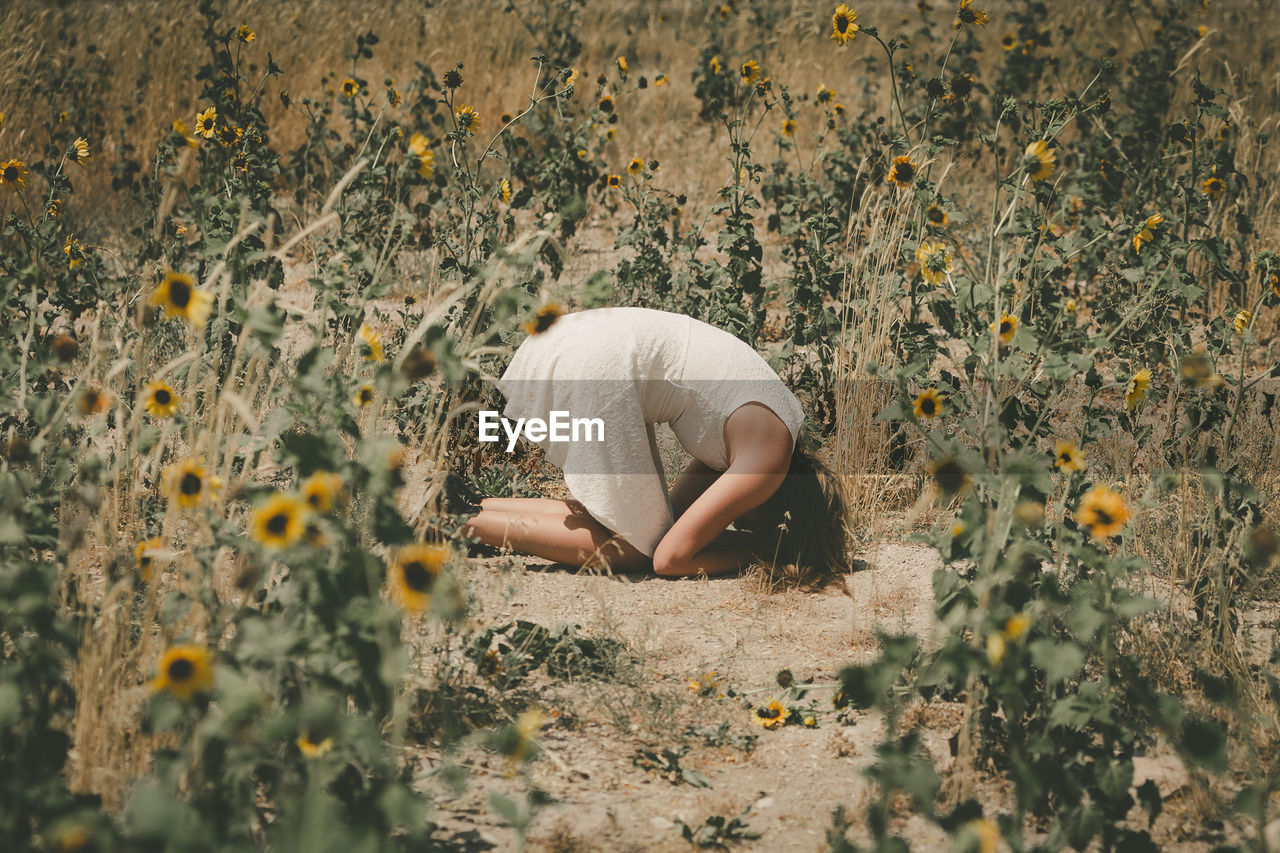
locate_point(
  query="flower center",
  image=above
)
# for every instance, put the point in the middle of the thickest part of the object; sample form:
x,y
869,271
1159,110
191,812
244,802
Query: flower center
x,y
163,397
179,293
181,670
278,524
1103,518
417,577
11,173
191,484
927,405
842,23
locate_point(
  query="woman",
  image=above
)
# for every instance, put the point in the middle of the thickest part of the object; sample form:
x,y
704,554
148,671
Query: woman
x,y
632,368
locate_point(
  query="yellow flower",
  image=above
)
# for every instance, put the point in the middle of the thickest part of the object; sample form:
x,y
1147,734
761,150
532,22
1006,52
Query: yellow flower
x,y
188,483
838,109
159,399
935,216
1069,306
313,749
843,28
229,135
505,186
427,164
13,175
94,402
414,575
770,716
605,104
611,133
143,554
206,122
714,65
80,149
1039,160
55,208
902,172
180,128
452,78
1136,391
418,145
986,833
1068,457
363,396
995,648
1008,41
707,684
573,78
468,118
1147,232
1214,187
394,98
750,71
370,344
73,252
279,522
1005,329
321,491
245,34
1016,626
1104,512
582,153
635,167
824,95
184,671
969,15
935,261
622,64
179,297
350,88
789,127
517,741
1241,322
928,404
544,318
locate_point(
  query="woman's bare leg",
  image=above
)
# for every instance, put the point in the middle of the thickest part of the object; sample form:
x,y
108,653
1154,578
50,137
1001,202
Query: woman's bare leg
x,y
530,506
571,537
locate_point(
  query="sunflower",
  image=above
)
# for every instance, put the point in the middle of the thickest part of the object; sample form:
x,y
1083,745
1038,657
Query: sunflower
x,y
419,147
143,554
363,396
635,167
714,65
935,261
312,748
1005,329
452,78
350,88
1214,187
614,182
1147,233
949,476
65,347
622,64
706,684
207,122
80,150
843,28
928,404
1136,391
838,109
1241,322
229,135
935,216
902,172
995,649
184,671
660,80
544,318
789,127
770,716
94,402
179,297
1197,368
750,71
321,491
1016,626
1104,512
1068,457
13,174
370,344
505,187
72,250
54,209
245,33
189,483
159,399
605,104
969,15
414,575
1039,160
1008,41
468,118
278,523
394,98
611,133
517,741
962,86
986,833
418,364
180,128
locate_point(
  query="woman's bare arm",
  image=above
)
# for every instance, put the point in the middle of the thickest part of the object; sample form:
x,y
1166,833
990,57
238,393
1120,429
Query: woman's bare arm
x,y
689,486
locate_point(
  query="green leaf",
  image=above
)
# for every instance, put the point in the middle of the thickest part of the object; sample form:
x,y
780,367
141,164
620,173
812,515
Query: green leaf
x,y
1204,742
1059,660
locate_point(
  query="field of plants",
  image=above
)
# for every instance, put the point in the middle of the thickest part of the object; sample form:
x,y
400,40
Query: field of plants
x,y
260,264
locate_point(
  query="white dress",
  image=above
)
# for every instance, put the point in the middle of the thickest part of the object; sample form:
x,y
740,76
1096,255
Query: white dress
x,y
633,368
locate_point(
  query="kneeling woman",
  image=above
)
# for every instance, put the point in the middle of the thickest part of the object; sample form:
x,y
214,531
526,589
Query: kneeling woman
x,y
632,368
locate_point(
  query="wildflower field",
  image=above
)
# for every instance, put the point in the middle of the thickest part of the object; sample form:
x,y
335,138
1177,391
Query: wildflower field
x,y
260,264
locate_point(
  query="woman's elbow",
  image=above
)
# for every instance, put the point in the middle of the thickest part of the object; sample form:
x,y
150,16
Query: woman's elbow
x,y
670,562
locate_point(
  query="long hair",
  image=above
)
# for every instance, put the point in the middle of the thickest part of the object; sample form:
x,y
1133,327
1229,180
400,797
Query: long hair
x,y
802,526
